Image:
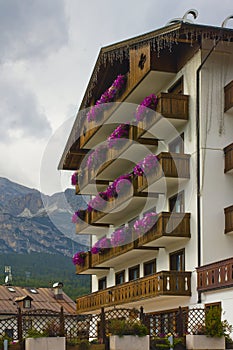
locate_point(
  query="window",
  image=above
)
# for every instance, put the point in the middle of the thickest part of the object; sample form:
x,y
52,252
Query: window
x,y
177,87
27,303
213,305
177,260
176,203
133,273
102,283
120,277
177,145
149,267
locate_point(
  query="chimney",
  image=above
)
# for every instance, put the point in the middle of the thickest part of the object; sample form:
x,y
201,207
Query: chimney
x,y
58,293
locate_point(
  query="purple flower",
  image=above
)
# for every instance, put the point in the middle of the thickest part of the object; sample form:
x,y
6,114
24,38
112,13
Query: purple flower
x,y
120,236
74,218
150,102
95,249
74,178
79,258
141,226
122,131
97,157
108,96
118,187
147,165
103,243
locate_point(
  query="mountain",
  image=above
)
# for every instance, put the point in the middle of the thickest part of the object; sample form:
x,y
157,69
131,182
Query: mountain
x,y
33,222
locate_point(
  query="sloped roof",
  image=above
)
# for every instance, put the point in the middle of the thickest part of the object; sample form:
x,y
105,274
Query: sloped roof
x,y
115,58
160,38
42,298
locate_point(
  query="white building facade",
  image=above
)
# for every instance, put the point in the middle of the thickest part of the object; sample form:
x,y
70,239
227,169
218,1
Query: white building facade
x,y
186,257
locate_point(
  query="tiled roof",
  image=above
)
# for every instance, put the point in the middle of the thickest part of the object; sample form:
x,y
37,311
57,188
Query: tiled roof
x,y
42,298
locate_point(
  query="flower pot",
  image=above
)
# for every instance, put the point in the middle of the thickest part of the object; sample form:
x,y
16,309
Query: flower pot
x,y
202,342
45,343
129,342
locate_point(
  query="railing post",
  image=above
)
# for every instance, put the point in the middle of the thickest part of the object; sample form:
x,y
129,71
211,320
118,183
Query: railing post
x,y
62,323
102,327
20,328
142,315
179,322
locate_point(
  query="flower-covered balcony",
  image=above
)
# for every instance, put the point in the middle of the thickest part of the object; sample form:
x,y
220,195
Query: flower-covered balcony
x,y
128,204
228,152
169,228
85,266
215,275
172,112
106,161
229,220
170,169
228,90
145,235
157,287
130,88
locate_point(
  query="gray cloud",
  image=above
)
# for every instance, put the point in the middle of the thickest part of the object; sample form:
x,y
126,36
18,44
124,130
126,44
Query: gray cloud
x,y
31,28
20,114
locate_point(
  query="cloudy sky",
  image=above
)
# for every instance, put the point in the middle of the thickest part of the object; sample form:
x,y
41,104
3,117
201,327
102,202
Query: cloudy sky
x,y
48,50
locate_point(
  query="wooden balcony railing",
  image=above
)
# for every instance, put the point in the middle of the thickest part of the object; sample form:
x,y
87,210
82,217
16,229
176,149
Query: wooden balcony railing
x,y
110,253
86,265
168,225
172,106
82,221
173,283
172,165
229,219
171,225
228,151
228,90
215,276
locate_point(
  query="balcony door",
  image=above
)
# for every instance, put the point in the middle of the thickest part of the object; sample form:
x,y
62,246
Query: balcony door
x,y
177,260
176,203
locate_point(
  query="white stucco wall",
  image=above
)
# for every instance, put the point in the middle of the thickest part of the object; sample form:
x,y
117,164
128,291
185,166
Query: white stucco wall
x,y
216,187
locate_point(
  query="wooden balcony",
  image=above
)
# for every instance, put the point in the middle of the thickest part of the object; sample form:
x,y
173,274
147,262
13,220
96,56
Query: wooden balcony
x,y
171,167
228,152
87,268
228,91
229,220
111,256
171,107
164,283
169,228
215,276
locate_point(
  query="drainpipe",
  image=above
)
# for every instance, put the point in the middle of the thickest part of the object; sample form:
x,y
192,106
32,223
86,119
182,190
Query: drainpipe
x,y
198,172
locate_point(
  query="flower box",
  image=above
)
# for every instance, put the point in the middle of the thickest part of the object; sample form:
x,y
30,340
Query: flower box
x,y
202,342
129,342
47,343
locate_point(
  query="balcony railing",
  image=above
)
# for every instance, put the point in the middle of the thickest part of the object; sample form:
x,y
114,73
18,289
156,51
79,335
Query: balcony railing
x,y
86,265
228,90
229,219
169,228
171,225
175,107
170,283
215,276
170,165
228,151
